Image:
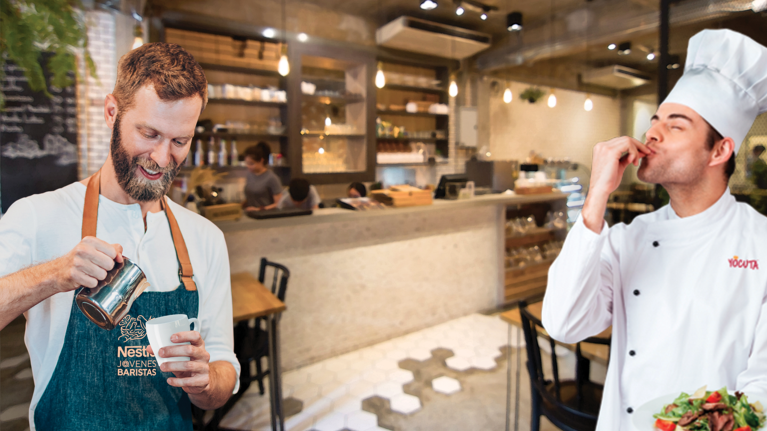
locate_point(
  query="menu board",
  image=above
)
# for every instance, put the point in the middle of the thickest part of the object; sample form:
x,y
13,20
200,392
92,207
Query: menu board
x,y
38,137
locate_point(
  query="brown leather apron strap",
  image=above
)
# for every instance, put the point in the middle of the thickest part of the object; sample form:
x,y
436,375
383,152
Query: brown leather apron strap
x,y
90,218
91,207
186,272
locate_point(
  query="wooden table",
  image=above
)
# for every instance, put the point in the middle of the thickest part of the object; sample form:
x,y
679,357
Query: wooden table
x,y
250,300
595,352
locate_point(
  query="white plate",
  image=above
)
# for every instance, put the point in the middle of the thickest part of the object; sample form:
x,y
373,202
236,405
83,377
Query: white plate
x,y
643,420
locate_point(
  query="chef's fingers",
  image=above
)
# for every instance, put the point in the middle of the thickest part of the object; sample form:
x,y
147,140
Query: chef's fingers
x,y
193,337
119,250
86,273
195,353
194,384
102,246
150,350
642,147
194,367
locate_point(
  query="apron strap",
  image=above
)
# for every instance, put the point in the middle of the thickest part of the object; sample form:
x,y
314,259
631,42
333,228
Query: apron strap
x,y
186,272
90,217
91,207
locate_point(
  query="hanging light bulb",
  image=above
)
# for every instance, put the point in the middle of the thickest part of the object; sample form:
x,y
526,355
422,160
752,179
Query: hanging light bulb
x,y
453,89
552,99
380,78
459,11
138,36
321,150
283,66
327,121
507,95
588,105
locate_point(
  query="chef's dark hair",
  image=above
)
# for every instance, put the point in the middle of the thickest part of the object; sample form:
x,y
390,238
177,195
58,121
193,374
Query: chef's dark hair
x,y
359,187
299,189
256,152
713,137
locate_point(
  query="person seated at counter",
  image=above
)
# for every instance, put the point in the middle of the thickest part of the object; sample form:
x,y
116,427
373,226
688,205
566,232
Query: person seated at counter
x,y
263,189
300,195
356,190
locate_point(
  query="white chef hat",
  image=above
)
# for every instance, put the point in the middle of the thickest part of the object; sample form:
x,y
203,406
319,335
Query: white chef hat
x,y
724,81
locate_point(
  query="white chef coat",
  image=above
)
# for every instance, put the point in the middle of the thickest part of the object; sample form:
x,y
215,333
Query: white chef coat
x,y
47,226
681,315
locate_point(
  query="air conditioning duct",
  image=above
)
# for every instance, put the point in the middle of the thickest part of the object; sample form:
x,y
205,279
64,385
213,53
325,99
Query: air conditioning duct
x,y
618,77
426,37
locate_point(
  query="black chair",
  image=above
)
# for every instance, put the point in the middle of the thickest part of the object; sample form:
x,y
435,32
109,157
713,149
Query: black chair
x,y
572,405
251,343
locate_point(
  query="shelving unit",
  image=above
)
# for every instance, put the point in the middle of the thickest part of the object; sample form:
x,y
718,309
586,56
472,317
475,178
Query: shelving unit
x,y
412,139
410,114
247,103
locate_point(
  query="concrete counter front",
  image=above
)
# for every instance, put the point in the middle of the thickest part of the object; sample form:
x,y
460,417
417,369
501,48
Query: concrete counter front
x,y
359,278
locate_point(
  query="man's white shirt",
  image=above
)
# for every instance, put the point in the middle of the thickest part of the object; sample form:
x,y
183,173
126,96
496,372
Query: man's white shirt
x,y
43,227
686,296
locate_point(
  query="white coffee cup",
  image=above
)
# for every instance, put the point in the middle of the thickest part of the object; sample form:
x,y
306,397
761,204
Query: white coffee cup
x,y
159,331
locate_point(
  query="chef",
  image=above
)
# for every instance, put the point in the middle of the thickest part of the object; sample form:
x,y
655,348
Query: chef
x,y
88,378
685,287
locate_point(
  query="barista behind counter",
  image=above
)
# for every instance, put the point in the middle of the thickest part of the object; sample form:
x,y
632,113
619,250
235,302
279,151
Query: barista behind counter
x,y
262,188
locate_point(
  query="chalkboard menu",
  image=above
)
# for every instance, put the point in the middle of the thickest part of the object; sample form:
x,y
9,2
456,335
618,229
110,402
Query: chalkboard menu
x,y
38,137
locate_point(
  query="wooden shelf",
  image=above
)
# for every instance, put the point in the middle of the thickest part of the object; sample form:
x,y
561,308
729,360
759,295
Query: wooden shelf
x,y
537,236
316,134
414,88
411,139
410,114
247,103
329,100
227,135
526,282
236,69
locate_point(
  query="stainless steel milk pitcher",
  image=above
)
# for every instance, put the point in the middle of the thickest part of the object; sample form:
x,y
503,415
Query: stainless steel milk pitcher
x,y
110,301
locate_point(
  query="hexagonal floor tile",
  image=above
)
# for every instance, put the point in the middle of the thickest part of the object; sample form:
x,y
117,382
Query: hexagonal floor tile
x,y
372,354
405,404
388,389
419,354
348,376
400,376
374,376
458,364
464,352
295,378
332,422
483,363
361,365
347,404
333,389
307,392
386,364
396,354
446,385
362,389
492,352
361,421
336,365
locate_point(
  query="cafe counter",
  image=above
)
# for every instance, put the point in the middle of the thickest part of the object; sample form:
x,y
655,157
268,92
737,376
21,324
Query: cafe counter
x,y
362,277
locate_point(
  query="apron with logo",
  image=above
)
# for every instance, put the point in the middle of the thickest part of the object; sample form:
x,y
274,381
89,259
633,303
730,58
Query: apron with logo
x,y
106,380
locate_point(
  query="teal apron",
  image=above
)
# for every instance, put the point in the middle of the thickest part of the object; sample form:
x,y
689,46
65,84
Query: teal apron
x,y
106,380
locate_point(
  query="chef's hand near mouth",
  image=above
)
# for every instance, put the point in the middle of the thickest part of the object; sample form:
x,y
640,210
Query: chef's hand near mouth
x,y
87,263
610,160
194,375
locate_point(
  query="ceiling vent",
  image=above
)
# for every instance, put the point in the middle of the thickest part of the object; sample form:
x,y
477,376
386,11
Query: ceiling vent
x,y
426,37
618,77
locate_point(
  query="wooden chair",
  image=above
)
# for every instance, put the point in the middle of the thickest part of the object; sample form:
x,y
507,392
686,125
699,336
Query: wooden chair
x,y
572,405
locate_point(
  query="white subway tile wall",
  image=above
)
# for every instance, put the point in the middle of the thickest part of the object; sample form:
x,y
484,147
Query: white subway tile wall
x,y
94,135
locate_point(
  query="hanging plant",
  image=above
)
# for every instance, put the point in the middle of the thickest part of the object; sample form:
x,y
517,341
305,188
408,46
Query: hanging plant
x,y
532,94
30,27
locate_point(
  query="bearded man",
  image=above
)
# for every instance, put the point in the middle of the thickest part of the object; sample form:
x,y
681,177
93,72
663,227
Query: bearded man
x,y
51,244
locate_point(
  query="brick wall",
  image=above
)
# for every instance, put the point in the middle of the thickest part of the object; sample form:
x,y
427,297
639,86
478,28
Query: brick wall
x,y
94,135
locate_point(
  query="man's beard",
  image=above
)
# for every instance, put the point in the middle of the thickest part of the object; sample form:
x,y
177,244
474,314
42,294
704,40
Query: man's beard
x,y
135,185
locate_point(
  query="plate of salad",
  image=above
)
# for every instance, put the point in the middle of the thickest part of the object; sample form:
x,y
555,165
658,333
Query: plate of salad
x,y
703,411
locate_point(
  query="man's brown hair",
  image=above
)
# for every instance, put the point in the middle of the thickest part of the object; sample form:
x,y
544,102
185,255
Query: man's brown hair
x,y
172,71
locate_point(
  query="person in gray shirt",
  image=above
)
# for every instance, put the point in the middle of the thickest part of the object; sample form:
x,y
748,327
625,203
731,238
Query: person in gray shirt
x,y
262,187
300,195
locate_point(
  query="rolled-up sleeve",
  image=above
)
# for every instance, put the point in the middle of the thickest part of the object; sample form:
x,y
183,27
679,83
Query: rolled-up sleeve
x,y
578,300
216,308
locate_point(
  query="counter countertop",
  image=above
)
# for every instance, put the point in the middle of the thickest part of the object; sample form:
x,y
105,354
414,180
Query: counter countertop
x,y
332,215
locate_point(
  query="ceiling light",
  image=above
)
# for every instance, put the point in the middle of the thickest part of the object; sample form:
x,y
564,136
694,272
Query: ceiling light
x,y
327,121
428,4
588,105
624,48
453,89
651,56
483,17
321,150
514,21
303,37
612,46
380,78
552,100
507,95
459,11
283,67
269,32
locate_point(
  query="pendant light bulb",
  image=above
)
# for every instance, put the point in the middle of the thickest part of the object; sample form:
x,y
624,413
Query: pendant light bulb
x,y
321,150
137,41
380,78
327,121
552,100
138,36
588,105
283,66
507,95
453,89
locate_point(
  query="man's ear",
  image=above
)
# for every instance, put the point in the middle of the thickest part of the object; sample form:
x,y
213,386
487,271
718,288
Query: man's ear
x,y
110,110
723,150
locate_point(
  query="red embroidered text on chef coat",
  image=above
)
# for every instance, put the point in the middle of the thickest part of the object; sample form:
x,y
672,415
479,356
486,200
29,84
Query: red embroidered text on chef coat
x,y
743,263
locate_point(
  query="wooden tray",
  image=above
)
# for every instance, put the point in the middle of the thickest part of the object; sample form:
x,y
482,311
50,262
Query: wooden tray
x,y
532,190
222,212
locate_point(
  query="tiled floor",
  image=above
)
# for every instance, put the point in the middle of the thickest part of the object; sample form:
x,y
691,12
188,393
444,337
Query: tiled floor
x,y
386,386
16,384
